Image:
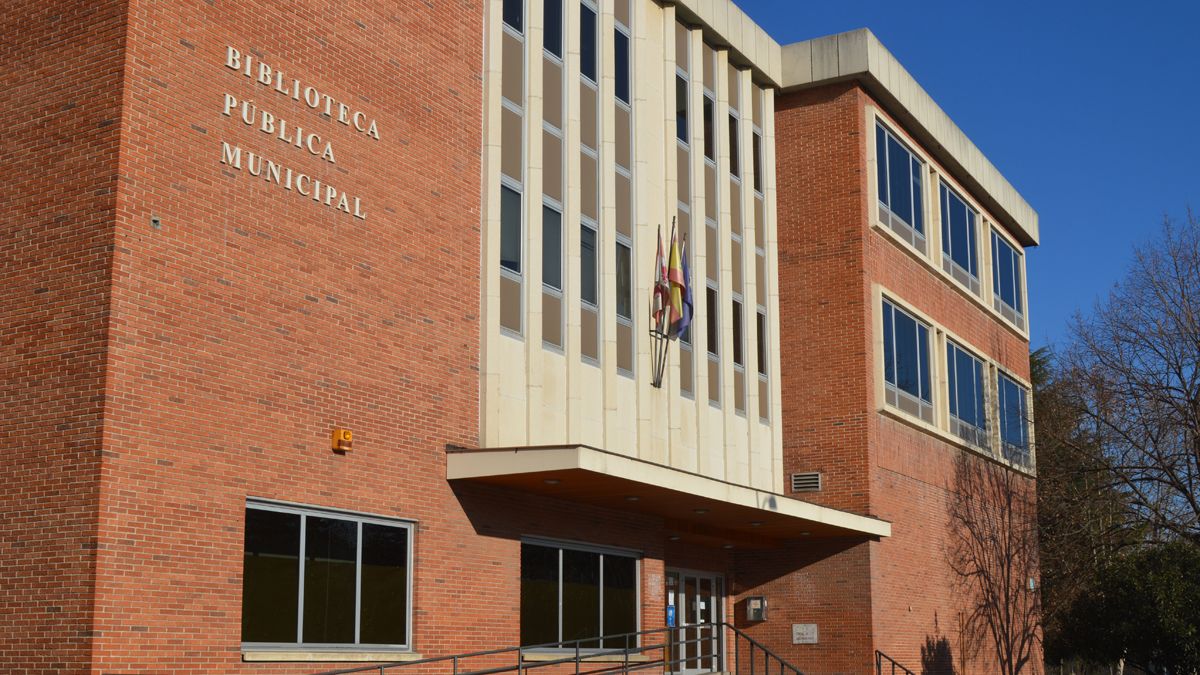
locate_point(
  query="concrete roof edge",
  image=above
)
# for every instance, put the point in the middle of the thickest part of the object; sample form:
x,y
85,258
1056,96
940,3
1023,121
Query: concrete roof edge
x,y
859,56
726,26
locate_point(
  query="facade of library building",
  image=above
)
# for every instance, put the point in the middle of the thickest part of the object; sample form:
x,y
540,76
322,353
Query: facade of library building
x,y
326,342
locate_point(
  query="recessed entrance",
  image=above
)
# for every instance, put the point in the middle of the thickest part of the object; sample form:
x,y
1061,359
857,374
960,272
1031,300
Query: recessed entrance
x,y
698,599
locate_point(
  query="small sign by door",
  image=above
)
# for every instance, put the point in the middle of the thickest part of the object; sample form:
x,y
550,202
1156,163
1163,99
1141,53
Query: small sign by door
x,y
670,616
804,633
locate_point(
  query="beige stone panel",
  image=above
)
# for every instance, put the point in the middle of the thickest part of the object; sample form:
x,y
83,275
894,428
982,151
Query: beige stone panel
x,y
588,124
490,227
588,187
512,150
513,81
552,83
624,210
552,167
552,423
624,139
591,406
514,405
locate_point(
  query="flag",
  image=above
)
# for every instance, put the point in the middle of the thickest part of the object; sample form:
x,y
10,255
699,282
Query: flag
x,y
685,319
659,295
678,286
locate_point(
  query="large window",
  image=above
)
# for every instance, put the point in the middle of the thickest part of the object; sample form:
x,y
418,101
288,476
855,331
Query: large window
x,y
510,229
734,154
899,185
621,56
570,594
553,27
552,253
1013,419
681,109
587,264
906,364
325,579
1006,280
514,11
587,42
968,416
960,252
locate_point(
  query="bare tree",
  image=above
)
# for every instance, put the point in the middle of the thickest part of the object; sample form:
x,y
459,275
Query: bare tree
x,y
994,553
1135,362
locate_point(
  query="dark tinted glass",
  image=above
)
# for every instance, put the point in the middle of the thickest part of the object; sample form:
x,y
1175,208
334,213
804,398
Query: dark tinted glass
x,y
384,616
918,214
581,597
621,54
539,594
1004,275
762,343
923,362
958,230
587,264
966,386
270,576
510,229
889,345
513,14
738,357
620,599
734,168
710,143
552,37
551,248
681,108
587,42
1012,412
881,164
899,181
624,282
758,165
329,553
710,309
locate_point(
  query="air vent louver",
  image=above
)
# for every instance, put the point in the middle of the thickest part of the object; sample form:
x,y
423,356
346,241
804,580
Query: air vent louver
x,y
806,482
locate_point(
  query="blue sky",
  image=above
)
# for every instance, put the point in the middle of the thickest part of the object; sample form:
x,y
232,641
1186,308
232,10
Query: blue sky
x,y
1088,108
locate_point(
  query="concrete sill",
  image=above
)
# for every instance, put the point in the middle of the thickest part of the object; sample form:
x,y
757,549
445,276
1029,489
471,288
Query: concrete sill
x,y
301,656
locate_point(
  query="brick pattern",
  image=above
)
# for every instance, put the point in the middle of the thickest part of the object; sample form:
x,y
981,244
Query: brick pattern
x,y
61,86
829,258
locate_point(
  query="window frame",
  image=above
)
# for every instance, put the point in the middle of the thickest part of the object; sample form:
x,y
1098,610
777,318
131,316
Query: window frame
x,y
1016,455
981,435
971,280
1018,317
916,238
409,525
926,408
583,547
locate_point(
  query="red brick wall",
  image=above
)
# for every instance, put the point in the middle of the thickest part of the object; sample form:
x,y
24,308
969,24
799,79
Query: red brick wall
x,y
61,89
829,258
821,208
254,320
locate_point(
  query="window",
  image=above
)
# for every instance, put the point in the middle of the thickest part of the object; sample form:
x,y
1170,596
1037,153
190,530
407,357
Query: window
x,y
551,248
624,282
324,579
510,229
734,169
899,186
758,165
572,594
739,358
959,246
762,342
587,264
621,46
681,108
1013,419
1006,280
710,309
587,42
968,416
552,36
514,11
710,142
906,365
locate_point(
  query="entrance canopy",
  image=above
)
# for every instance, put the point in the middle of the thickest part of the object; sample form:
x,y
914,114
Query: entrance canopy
x,y
694,507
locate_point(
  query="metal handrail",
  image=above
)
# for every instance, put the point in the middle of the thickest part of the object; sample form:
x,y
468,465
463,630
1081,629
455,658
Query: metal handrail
x,y
880,657
574,652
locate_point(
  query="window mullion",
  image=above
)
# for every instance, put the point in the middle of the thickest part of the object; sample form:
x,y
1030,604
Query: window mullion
x,y
358,584
560,596
300,581
600,562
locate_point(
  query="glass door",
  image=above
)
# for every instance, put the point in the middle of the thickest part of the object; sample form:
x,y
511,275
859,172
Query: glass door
x,y
698,599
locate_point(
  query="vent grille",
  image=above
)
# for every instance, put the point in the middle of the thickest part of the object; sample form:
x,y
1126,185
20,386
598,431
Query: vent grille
x,y
806,482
